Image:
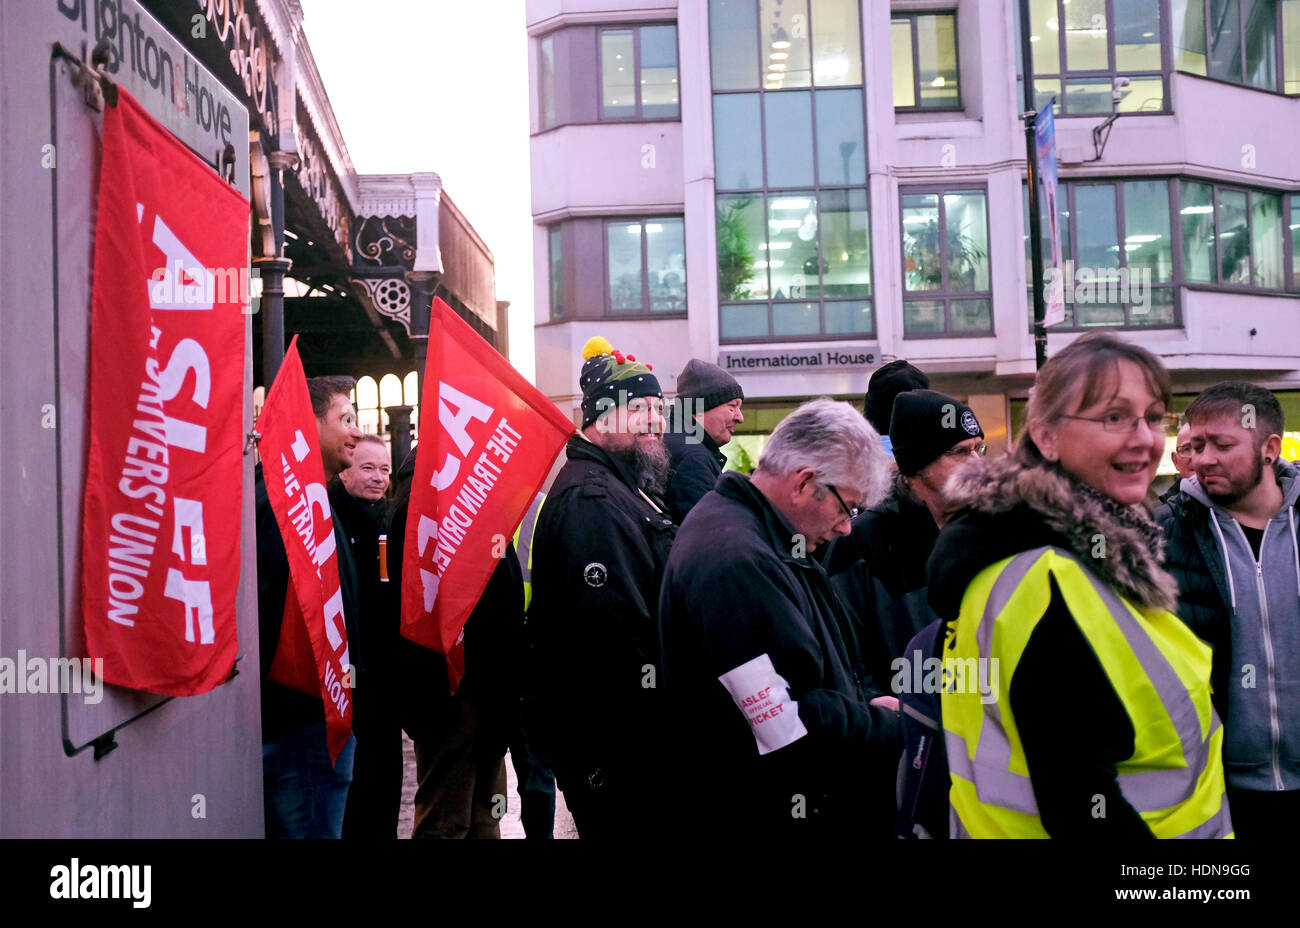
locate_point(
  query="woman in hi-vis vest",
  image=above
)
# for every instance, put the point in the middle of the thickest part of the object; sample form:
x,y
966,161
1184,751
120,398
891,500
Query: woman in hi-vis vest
x,y
1075,703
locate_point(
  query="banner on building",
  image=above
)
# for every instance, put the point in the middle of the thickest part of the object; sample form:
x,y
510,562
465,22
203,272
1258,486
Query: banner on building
x,y
295,485
160,535
1045,146
487,441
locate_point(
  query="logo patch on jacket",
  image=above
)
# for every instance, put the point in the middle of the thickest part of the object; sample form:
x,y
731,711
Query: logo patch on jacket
x,y
595,574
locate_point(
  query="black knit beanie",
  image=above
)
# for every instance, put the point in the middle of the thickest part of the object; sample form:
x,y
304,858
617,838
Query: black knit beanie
x,y
885,384
610,378
925,424
708,383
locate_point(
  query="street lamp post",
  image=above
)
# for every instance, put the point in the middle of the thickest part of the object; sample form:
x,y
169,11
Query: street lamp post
x,y
1035,225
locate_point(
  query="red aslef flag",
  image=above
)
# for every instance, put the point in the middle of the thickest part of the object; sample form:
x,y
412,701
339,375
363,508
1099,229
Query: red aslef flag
x,y
487,441
160,536
295,485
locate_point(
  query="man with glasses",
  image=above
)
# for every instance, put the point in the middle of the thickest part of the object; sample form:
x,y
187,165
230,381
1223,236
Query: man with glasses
x,y
773,725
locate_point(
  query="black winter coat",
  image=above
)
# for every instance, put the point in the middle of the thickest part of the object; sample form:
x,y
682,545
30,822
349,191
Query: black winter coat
x,y
1193,557
878,569
696,465
734,592
599,552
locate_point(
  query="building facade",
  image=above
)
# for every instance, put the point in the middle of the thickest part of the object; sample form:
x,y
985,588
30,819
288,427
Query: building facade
x,y
801,190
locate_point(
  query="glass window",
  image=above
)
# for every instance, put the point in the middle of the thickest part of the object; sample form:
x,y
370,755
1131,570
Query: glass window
x,y
837,46
846,243
1147,242
841,152
946,251
624,262
1187,19
742,244
666,265
924,47
794,256
733,45
659,72
1137,35
1085,35
548,82
618,67
1237,40
646,265
1081,46
557,273
1115,239
1295,241
849,318
1266,240
967,240
787,120
1196,217
737,141
795,319
744,321
900,40
792,246
1260,20
638,73
1234,238
1290,46
783,26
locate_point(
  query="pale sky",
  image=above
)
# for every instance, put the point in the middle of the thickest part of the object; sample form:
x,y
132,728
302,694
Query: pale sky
x,y
441,85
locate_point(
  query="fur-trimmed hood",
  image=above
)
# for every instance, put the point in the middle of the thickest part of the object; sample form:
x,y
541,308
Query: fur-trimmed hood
x,y
1009,507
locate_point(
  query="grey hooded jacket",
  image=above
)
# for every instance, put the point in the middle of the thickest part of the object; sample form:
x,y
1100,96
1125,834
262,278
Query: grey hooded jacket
x,y
1262,728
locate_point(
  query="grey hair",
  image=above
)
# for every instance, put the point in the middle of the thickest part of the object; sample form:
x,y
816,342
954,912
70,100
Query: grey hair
x,y
835,440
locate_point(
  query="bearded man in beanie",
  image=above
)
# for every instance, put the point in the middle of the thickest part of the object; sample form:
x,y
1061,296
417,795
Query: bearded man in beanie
x,y
599,551
879,571
885,384
703,419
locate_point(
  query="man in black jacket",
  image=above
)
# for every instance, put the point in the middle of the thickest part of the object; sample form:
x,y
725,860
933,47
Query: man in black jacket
x,y
304,794
703,418
599,550
772,724
460,740
359,502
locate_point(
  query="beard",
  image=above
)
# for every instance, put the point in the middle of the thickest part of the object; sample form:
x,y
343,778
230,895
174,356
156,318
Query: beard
x,y
1239,489
649,466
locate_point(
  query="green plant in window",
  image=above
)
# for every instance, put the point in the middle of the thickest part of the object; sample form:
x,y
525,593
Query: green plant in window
x,y
735,252
924,261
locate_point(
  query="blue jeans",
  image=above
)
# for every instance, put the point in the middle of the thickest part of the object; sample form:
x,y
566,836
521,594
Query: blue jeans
x,y
304,794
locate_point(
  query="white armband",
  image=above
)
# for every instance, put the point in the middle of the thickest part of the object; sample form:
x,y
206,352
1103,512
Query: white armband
x,y
763,697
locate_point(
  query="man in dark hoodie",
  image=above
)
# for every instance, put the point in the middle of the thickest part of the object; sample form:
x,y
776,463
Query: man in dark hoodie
x,y
1231,544
704,417
599,550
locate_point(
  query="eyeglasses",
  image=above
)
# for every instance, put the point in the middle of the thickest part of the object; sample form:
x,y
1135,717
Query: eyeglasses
x,y
1122,422
853,512
981,450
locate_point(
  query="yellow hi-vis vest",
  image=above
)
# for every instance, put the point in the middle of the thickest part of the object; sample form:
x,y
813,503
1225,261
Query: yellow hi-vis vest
x,y
1158,667
524,545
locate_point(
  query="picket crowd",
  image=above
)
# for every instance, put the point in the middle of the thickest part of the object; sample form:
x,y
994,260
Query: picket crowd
x,y
882,632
